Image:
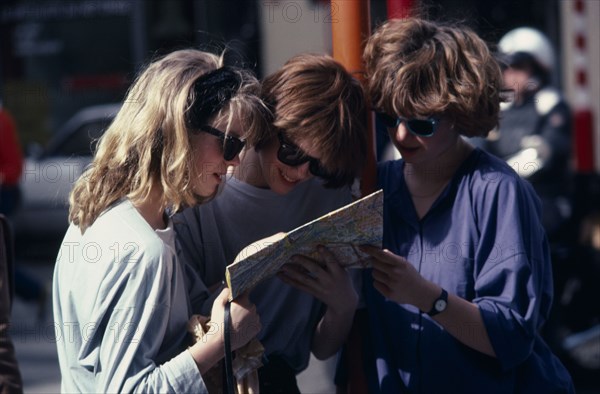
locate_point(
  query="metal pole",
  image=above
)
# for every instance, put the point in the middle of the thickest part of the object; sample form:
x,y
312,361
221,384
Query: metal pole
x,y
350,27
138,34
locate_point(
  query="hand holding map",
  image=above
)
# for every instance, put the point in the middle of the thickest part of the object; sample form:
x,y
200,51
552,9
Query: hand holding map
x,y
342,231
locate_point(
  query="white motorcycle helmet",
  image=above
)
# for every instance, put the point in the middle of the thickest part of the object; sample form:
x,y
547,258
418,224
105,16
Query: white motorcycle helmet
x,y
529,41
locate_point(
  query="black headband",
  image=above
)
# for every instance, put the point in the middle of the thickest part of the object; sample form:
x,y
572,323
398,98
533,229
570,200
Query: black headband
x,y
212,91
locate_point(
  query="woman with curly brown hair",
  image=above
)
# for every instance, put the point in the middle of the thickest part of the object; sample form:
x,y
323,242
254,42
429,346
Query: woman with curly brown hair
x,y
457,297
121,303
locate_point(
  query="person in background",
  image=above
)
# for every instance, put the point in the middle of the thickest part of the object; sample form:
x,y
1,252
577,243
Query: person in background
x,y
534,134
120,301
27,287
298,168
10,376
11,163
534,137
458,294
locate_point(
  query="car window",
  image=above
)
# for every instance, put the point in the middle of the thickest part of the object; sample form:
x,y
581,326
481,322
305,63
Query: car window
x,y
83,141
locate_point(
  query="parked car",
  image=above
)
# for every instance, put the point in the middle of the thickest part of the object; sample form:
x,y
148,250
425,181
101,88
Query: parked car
x,y
49,174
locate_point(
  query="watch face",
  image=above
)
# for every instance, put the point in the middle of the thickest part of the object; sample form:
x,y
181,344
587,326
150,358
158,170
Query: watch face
x,y
440,305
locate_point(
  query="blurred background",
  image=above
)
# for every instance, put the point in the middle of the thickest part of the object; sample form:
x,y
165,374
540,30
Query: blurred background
x,y
65,66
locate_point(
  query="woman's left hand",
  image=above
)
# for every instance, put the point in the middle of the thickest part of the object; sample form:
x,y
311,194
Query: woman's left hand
x,y
325,279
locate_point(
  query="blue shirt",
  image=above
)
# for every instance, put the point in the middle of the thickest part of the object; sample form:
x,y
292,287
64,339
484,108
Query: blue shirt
x,y
481,240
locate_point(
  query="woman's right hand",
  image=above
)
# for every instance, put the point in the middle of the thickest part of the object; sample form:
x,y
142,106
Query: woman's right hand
x,y
245,323
398,280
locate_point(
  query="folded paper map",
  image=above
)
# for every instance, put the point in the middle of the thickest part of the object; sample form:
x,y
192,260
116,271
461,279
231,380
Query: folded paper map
x,y
341,231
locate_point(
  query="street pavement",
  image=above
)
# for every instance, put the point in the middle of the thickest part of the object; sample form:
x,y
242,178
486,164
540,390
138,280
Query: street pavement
x,y
35,344
34,338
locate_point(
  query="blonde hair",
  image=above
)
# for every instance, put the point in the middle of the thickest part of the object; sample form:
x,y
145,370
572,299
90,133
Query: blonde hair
x,y
420,68
312,97
148,143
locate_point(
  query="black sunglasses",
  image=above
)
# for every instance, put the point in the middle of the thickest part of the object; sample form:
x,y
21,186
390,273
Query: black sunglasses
x,y
291,155
232,146
419,127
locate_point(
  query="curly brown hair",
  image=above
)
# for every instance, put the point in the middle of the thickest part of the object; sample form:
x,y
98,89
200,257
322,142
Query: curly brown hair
x,y
417,67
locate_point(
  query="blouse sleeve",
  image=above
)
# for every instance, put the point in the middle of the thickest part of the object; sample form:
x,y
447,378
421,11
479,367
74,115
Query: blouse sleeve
x,y
513,279
121,348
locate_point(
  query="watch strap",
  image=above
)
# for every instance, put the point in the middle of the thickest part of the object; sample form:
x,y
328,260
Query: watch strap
x,y
443,297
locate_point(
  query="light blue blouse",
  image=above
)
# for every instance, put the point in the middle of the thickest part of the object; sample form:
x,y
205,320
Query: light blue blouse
x,y
121,308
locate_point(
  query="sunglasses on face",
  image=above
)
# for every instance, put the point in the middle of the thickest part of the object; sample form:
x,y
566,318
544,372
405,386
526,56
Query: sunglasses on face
x,y
291,155
418,127
232,146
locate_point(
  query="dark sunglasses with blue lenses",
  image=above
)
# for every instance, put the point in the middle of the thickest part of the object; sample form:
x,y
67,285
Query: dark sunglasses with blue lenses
x,y
232,146
291,155
419,127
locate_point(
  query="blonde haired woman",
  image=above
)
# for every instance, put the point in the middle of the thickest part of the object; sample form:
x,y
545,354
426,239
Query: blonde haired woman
x,y
120,297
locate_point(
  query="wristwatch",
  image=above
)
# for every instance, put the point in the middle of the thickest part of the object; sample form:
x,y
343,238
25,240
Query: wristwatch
x,y
440,304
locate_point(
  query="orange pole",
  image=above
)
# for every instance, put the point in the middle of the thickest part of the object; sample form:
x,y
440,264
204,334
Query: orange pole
x,y
350,27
